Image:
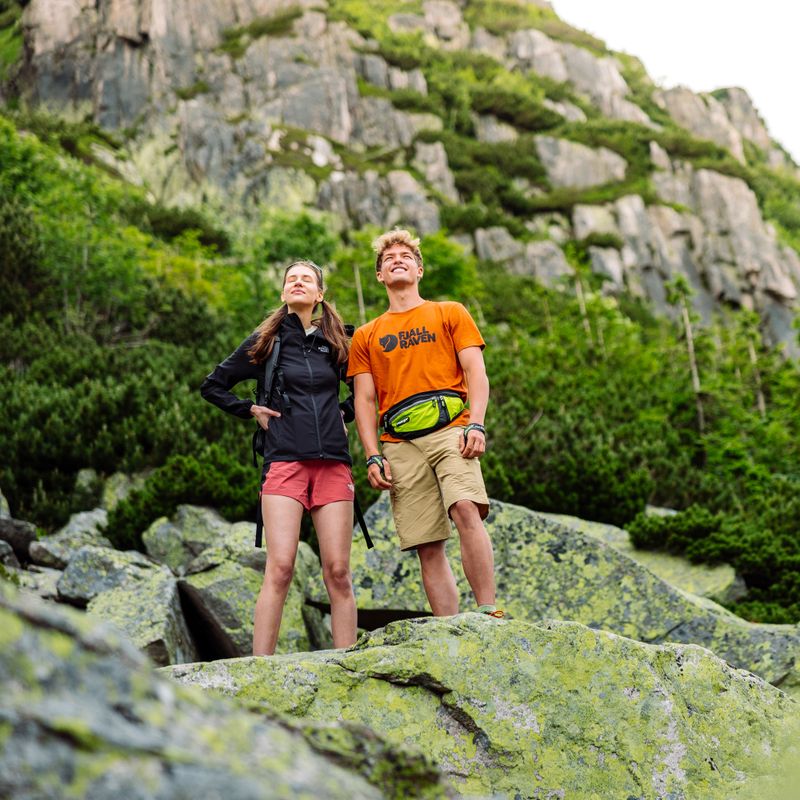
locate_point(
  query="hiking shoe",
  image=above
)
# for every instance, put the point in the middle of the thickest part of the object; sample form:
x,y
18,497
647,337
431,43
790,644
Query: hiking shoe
x,y
492,611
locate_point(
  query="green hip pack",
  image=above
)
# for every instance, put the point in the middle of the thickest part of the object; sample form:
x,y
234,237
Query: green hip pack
x,y
422,413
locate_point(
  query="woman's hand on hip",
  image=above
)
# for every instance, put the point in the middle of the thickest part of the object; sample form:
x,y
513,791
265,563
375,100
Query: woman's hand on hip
x,y
263,415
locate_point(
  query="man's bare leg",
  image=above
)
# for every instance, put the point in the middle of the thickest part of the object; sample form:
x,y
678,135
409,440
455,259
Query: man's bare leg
x,y
438,578
477,556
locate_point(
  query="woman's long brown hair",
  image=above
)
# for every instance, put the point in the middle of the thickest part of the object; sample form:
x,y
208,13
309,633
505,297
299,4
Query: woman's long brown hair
x,y
330,323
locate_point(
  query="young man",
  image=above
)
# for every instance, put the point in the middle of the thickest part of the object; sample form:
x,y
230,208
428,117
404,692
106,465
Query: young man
x,y
421,361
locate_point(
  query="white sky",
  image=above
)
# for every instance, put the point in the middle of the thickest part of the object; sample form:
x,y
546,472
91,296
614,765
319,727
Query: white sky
x,y
707,45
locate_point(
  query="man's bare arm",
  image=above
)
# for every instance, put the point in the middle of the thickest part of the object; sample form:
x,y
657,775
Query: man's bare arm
x,y
471,360
364,387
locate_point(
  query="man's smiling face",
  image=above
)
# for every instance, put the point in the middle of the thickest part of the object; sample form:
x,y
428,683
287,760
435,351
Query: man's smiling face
x,y
399,267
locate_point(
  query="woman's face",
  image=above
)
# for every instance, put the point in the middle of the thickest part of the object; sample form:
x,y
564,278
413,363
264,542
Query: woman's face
x,y
301,287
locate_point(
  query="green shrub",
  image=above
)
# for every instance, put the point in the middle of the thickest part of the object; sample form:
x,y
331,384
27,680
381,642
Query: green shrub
x,y
235,41
520,110
209,478
197,88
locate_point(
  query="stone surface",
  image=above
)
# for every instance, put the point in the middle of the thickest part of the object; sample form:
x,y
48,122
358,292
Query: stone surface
x,y
42,581
431,161
192,529
515,709
5,511
544,569
573,165
82,529
117,487
19,534
599,78
703,115
84,715
7,557
606,262
93,570
587,220
491,130
719,582
225,597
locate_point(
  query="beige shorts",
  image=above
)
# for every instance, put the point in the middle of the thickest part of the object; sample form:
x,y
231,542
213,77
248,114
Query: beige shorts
x,y
429,474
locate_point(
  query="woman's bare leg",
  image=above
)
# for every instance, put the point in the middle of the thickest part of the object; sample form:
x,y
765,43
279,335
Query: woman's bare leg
x,y
334,525
282,517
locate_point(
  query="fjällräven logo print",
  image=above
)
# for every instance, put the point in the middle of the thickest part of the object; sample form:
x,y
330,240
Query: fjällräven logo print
x,y
406,339
388,342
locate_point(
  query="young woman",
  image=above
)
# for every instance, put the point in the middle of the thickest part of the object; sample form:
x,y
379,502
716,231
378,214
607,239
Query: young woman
x,y
305,447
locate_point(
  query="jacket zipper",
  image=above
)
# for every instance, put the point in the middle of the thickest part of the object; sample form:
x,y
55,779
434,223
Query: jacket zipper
x,y
313,401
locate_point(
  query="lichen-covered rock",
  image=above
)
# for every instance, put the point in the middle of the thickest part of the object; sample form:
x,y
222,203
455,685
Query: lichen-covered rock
x,y
516,709
42,581
93,570
85,716
5,511
544,569
192,529
118,486
82,529
718,582
148,611
223,590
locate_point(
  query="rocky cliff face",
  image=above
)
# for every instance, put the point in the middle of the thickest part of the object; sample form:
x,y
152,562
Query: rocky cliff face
x,y
268,102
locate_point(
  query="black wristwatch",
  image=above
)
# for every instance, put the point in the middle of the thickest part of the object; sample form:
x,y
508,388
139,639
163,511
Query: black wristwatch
x,y
474,426
375,460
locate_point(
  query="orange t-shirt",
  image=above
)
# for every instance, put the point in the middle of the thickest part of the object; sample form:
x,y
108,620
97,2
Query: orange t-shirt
x,y
407,352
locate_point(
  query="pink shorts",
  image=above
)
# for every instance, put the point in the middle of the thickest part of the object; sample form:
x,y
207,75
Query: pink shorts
x,y
313,483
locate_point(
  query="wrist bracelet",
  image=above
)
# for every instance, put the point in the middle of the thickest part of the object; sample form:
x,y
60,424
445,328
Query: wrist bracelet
x,y
375,460
474,426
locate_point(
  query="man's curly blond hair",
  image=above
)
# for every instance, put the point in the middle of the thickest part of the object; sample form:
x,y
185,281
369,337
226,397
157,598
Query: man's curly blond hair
x,y
392,237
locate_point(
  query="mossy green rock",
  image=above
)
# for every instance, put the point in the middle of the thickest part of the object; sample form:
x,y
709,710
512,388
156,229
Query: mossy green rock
x,y
517,709
84,716
149,614
83,529
224,594
192,529
93,570
545,570
718,582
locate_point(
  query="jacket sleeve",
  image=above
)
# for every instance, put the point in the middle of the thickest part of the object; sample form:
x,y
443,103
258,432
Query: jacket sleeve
x,y
237,367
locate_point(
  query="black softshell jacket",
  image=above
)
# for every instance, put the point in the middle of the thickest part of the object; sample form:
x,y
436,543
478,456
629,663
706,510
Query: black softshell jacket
x,y
305,391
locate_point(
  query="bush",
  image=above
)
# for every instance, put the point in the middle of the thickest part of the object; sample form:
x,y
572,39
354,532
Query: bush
x,y
210,478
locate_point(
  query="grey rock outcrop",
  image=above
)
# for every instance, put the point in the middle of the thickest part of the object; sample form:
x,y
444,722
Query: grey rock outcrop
x,y
19,534
7,556
573,165
192,529
542,259
703,115
547,709
94,570
546,570
85,713
491,130
718,582
222,585
599,79
83,528
431,161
